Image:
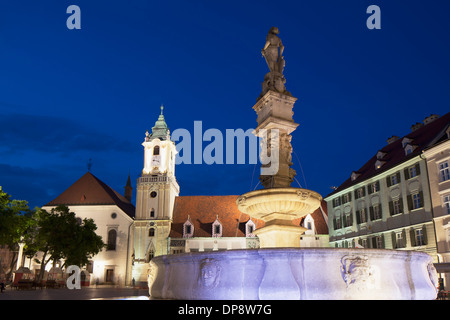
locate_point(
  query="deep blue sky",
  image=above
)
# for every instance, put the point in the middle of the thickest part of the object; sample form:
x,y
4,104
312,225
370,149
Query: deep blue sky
x,y
70,95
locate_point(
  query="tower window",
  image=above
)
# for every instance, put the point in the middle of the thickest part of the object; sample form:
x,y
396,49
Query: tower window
x,y
152,213
153,194
156,151
151,232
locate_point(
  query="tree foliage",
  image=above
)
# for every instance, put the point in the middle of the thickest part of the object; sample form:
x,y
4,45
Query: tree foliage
x,y
58,234
61,236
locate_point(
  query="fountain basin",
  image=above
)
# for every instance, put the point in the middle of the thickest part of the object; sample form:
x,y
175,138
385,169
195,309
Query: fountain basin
x,y
294,274
277,207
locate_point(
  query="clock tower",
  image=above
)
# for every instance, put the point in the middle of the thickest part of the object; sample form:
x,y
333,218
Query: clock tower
x,y
155,197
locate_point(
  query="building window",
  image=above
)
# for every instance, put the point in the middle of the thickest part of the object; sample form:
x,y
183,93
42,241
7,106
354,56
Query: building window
x,y
152,213
419,237
394,179
412,172
396,206
337,202
444,172
156,151
377,242
112,237
446,201
374,187
337,223
399,239
375,212
359,193
348,220
151,232
362,215
416,201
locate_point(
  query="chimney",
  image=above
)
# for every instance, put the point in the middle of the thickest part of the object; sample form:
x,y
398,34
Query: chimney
x,y
431,118
392,139
416,126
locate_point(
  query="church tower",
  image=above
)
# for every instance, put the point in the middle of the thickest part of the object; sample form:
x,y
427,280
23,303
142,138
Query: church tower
x,y
155,196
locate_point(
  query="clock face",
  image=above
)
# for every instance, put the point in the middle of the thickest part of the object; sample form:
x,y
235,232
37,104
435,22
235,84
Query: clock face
x,y
156,161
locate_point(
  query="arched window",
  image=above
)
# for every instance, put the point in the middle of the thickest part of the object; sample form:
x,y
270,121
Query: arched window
x,y
156,151
151,232
112,237
152,213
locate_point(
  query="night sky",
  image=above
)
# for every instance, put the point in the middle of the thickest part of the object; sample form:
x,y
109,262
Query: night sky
x,y
67,96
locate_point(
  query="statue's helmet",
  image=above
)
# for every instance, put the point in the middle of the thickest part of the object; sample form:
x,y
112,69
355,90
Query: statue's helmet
x,y
274,30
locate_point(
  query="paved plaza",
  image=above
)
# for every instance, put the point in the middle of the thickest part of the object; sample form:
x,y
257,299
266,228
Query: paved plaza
x,y
85,293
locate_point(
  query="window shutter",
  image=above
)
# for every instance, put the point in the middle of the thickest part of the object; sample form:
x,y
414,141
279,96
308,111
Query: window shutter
x,y
391,207
421,199
350,196
412,235
388,181
406,174
363,191
418,169
356,194
358,218
398,177
351,218
378,185
369,189
365,215
382,240
410,203
394,240
334,224
424,233
371,213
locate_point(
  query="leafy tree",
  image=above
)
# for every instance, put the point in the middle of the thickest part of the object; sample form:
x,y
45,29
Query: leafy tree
x,y
60,235
16,224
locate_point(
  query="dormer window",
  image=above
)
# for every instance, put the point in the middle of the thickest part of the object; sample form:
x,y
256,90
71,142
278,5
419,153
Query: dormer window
x,y
217,228
405,142
380,155
309,224
354,175
409,149
379,164
249,228
188,228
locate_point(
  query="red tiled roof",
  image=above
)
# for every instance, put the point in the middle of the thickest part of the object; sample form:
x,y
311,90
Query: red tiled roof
x,y
203,211
89,190
422,138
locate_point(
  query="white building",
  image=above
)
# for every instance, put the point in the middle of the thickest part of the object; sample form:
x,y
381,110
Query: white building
x,y
113,214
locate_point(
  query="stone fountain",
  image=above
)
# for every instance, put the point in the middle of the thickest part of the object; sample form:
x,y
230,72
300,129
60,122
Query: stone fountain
x,y
280,269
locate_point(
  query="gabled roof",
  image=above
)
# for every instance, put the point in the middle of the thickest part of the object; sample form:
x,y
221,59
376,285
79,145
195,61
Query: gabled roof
x,y
204,210
89,190
422,138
